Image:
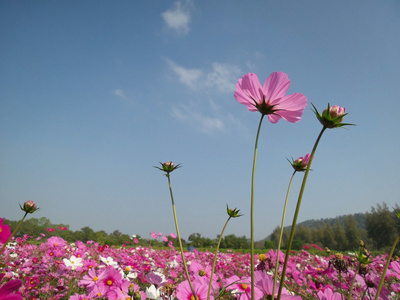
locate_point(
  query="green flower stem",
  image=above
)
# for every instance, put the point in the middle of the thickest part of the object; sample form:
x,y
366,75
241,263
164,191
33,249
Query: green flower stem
x,y
353,280
15,230
281,234
179,238
386,267
252,210
340,287
215,258
297,213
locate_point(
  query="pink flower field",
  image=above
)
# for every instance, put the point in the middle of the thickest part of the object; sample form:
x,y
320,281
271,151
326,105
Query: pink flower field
x,y
58,270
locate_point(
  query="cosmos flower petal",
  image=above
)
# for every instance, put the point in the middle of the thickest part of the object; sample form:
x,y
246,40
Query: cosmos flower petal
x,y
276,85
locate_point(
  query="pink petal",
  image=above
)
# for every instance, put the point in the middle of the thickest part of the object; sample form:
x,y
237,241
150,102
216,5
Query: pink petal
x,y
276,86
248,90
10,287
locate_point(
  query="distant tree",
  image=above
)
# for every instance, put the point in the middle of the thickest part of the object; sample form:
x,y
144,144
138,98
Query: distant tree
x,y
352,232
268,244
196,240
304,234
276,234
328,237
340,237
87,234
381,226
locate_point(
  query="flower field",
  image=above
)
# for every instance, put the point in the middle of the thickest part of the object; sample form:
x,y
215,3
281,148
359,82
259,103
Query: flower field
x,y
58,270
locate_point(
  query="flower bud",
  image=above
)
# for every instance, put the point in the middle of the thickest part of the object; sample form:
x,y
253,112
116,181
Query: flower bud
x,y
168,167
29,207
233,213
332,116
301,163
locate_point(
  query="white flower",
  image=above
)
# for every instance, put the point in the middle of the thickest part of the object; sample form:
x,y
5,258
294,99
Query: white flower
x,y
153,293
73,262
109,261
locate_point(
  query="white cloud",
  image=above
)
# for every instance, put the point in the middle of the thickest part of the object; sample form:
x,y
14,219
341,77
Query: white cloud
x,y
177,18
223,77
196,119
189,77
120,93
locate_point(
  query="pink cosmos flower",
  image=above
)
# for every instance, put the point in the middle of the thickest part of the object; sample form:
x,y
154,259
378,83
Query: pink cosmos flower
x,y
328,294
50,229
184,292
172,235
56,241
154,235
165,239
5,232
242,288
265,283
7,290
270,99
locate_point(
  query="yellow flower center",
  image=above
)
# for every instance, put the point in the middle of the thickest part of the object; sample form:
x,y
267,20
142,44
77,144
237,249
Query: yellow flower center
x,y
109,282
95,278
202,272
193,297
262,257
244,286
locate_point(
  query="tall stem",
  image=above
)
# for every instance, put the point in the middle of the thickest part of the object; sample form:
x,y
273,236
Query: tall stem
x,y
12,234
386,267
179,238
353,280
297,213
252,210
281,235
215,259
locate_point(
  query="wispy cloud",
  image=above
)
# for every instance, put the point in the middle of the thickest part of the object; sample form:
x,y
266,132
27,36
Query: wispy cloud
x,y
120,93
223,77
189,77
195,119
177,18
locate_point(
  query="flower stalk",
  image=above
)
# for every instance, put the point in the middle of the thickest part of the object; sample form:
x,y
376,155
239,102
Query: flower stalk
x,y
252,209
29,207
289,247
281,234
168,167
378,291
232,213
179,238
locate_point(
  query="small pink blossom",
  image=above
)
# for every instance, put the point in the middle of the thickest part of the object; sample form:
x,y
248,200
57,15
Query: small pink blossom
x,y
5,232
172,235
270,99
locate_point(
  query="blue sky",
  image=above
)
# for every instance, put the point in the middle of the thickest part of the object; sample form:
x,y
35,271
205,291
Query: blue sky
x,y
94,94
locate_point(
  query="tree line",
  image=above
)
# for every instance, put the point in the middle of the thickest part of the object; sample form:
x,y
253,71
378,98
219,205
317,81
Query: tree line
x,y
379,231
377,228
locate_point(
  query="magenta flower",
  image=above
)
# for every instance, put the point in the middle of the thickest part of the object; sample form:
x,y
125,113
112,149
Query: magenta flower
x,y
5,232
7,290
270,99
328,294
184,292
242,288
